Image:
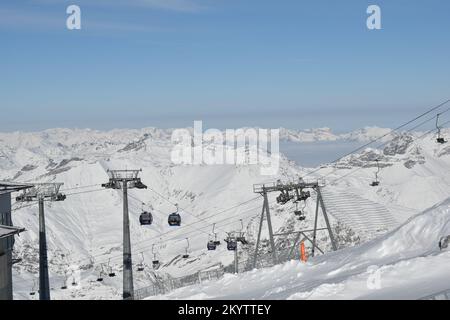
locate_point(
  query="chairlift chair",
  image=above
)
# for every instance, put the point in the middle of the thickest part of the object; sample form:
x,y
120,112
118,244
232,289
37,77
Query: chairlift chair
x,y
283,198
304,195
300,213
59,197
100,278
376,183
439,139
241,237
141,265
111,273
146,218
33,292
139,185
155,264
186,255
23,197
216,241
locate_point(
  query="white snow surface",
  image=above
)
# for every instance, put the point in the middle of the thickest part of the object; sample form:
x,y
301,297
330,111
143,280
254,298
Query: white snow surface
x,y
85,231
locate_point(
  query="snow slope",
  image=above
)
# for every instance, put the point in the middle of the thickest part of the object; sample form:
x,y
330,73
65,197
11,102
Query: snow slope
x,y
85,230
407,262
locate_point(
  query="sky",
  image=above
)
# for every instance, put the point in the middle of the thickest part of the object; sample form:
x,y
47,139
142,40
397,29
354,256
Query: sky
x,y
231,63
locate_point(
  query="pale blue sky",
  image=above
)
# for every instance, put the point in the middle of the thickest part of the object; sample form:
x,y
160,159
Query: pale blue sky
x,y
231,63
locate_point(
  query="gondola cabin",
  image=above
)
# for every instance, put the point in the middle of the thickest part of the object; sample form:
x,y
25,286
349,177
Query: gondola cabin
x,y
145,218
232,245
174,220
211,245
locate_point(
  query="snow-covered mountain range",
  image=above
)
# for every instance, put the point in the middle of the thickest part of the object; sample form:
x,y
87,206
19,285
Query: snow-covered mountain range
x,y
85,231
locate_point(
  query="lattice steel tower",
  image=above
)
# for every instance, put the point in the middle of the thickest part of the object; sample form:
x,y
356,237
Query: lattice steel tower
x,y
125,179
42,192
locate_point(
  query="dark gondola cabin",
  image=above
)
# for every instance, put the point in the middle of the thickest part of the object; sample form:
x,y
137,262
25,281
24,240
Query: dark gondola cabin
x,y
232,245
211,245
300,215
155,264
174,220
145,218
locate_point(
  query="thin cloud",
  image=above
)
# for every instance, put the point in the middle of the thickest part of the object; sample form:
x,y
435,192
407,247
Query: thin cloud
x,y
175,5
20,19
26,19
188,6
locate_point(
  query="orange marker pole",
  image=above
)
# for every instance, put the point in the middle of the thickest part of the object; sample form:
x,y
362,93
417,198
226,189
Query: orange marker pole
x,y
303,257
